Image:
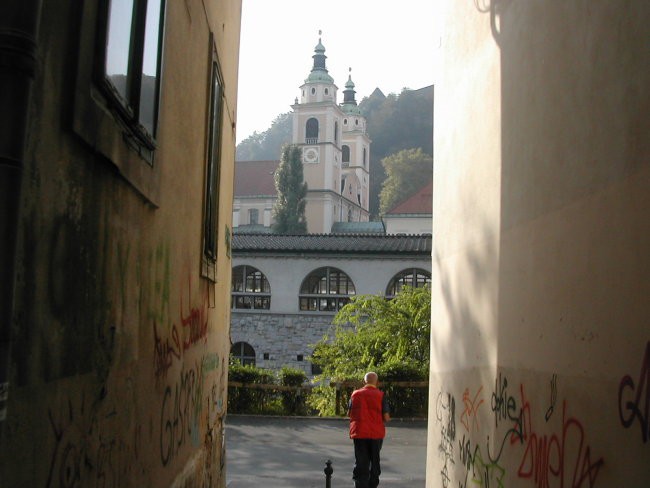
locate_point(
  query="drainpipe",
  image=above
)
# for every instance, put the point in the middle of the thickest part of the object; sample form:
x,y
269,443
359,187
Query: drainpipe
x,y
19,21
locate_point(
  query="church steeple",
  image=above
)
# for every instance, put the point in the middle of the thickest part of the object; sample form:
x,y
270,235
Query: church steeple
x,y
319,69
349,105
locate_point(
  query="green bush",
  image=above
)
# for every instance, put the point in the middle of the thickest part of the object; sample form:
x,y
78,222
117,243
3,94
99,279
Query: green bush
x,y
405,401
322,400
293,402
248,400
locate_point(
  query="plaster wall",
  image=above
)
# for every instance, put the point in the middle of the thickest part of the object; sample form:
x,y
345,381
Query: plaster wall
x,y
407,225
118,373
540,343
286,273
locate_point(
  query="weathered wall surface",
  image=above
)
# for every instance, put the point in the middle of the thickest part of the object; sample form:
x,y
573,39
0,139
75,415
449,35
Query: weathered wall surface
x,y
118,370
540,338
282,336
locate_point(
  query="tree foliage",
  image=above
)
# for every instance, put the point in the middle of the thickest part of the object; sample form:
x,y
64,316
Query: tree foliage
x,y
266,145
396,122
406,172
289,207
373,333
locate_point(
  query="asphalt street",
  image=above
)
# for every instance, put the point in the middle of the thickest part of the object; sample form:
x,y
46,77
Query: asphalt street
x,y
280,452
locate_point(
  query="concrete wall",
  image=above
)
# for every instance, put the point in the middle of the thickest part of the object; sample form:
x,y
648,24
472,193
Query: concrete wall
x,y
118,372
540,340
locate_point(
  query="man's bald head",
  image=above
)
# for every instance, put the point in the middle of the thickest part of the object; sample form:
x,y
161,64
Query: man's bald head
x,y
371,378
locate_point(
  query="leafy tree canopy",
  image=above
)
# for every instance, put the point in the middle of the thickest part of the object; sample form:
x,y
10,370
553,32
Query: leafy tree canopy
x,y
406,172
373,333
289,207
267,145
396,122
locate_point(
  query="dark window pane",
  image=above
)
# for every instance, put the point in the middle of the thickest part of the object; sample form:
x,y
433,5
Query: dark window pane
x,y
262,303
119,45
212,183
346,154
312,130
238,279
244,353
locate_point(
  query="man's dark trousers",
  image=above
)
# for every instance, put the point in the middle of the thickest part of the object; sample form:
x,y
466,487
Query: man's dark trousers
x,y
366,467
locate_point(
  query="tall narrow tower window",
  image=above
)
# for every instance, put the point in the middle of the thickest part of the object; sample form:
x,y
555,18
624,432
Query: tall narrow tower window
x,y
364,157
345,153
311,131
336,132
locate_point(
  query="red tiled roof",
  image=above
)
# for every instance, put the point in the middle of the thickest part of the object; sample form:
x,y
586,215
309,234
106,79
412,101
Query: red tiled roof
x,y
255,178
420,203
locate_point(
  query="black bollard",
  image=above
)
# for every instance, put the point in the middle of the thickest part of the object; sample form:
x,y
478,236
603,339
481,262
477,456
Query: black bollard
x,y
328,474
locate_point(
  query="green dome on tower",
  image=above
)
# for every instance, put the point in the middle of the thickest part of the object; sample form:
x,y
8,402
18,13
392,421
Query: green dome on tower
x,y
319,70
349,105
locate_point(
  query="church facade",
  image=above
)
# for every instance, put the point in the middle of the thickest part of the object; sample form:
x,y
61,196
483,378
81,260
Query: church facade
x,y
335,153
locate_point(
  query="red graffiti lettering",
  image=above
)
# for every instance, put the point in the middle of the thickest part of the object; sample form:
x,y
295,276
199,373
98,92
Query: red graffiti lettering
x,y
547,456
469,417
165,351
195,323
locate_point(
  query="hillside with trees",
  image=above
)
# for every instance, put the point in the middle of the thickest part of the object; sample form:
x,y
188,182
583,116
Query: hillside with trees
x,y
395,123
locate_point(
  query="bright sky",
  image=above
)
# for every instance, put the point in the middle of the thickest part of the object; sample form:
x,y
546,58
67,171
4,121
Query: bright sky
x,y
387,43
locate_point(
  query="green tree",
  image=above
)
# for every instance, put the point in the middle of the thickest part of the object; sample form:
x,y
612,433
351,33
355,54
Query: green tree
x,y
289,208
266,145
396,122
406,172
372,332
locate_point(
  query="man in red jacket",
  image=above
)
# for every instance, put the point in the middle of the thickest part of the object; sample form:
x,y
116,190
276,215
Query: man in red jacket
x,y
368,411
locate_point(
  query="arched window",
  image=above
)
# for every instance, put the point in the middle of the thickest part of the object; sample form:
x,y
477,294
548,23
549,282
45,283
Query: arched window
x,y
345,153
336,132
413,277
326,290
311,131
364,157
244,353
250,289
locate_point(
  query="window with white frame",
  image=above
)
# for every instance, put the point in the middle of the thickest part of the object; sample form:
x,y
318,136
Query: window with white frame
x,y
326,289
250,289
413,277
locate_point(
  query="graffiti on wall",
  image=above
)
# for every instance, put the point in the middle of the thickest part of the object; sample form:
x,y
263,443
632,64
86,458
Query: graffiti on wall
x,y
184,404
446,415
193,329
634,398
89,449
546,452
